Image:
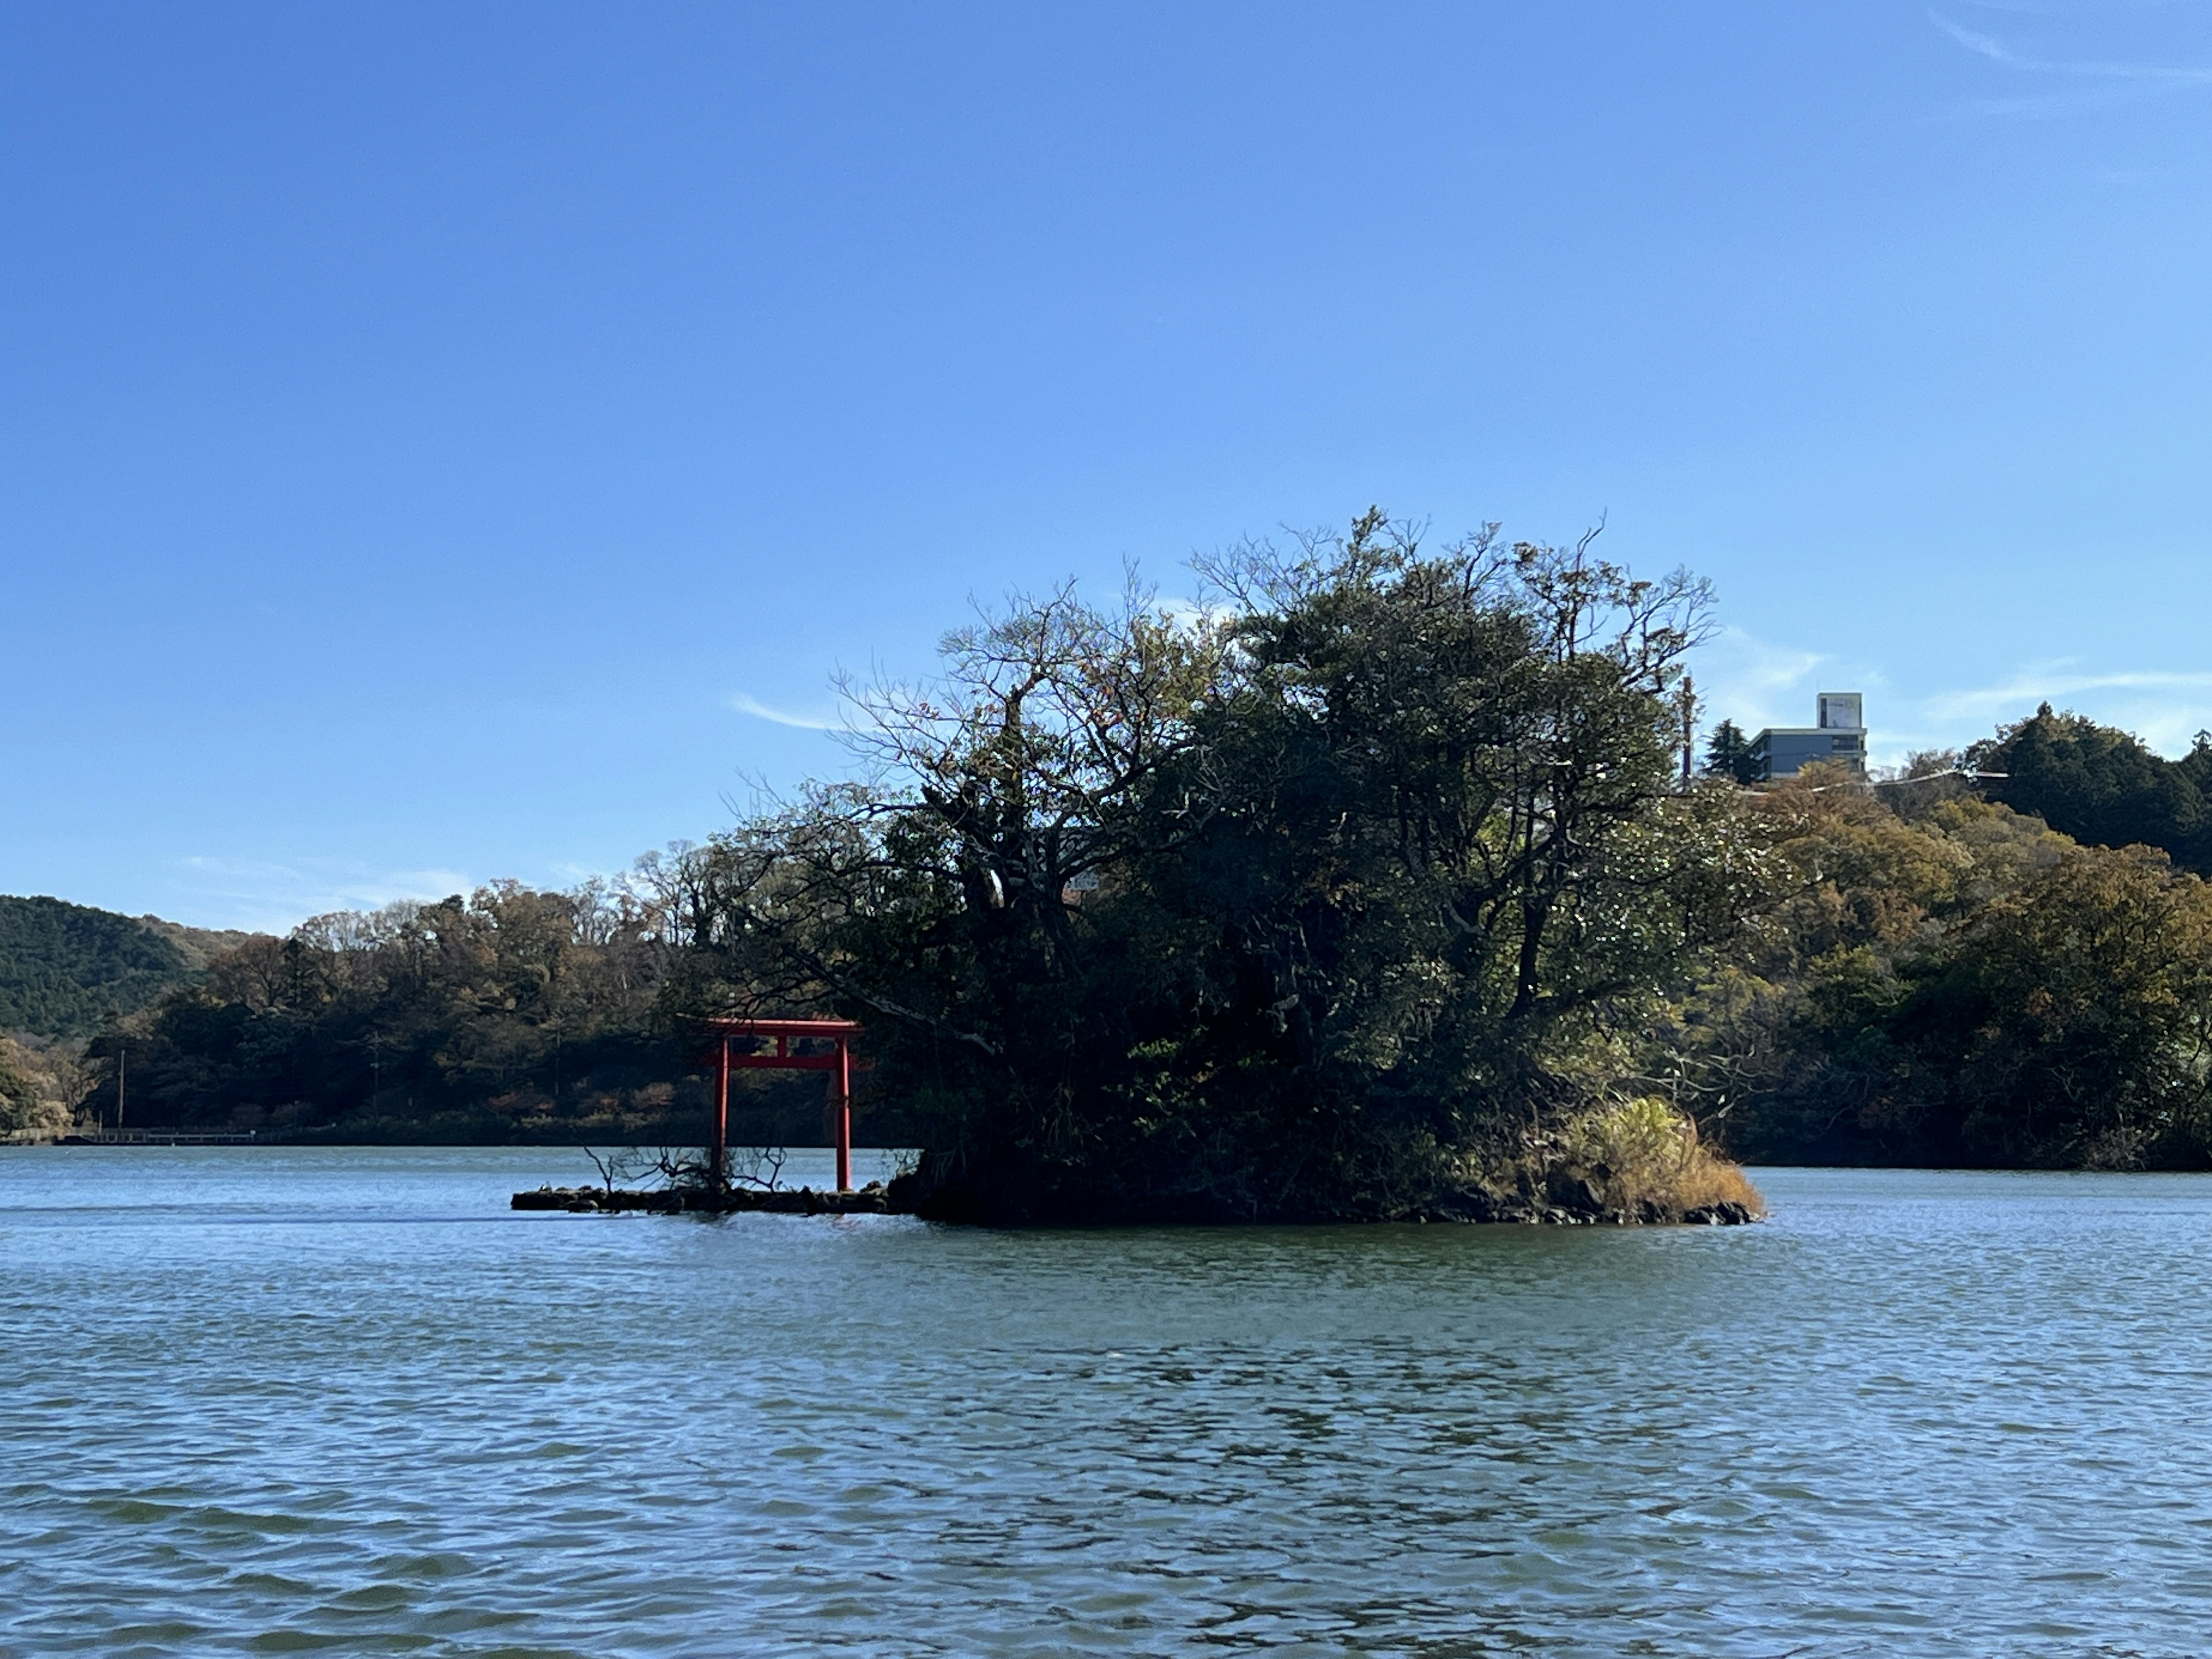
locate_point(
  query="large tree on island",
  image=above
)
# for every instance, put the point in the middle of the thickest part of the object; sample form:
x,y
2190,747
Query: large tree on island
x,y
1300,907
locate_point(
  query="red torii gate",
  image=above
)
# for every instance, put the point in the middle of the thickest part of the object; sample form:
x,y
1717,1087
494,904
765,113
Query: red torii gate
x,y
839,1065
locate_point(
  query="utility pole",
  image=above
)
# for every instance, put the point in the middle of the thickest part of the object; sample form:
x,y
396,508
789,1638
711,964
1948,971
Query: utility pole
x,y
1689,726
119,1053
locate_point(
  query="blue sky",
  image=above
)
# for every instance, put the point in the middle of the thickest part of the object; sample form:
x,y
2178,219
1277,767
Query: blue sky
x,y
451,441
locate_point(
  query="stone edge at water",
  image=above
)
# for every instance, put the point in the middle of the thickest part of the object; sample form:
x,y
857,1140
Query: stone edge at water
x,y
871,1200
1473,1207
1478,1207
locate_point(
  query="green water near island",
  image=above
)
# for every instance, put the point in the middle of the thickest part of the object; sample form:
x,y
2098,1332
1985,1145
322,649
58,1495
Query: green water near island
x,y
282,1399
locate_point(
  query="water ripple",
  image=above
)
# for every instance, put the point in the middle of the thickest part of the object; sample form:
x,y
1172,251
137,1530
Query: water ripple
x,y
275,1400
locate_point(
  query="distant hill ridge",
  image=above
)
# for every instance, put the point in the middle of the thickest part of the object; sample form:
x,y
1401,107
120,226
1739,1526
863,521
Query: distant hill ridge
x,y
65,968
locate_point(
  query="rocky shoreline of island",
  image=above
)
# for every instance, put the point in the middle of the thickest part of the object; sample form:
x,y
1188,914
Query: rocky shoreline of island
x,y
1559,1206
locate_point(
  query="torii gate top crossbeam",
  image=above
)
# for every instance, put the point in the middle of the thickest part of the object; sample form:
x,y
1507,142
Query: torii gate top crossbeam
x,y
786,1028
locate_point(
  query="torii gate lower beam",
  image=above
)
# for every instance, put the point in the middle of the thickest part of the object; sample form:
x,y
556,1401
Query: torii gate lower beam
x,y
839,1065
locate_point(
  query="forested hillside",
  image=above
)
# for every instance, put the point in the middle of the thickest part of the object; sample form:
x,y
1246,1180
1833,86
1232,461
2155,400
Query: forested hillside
x,y
1940,980
66,972
2102,786
66,968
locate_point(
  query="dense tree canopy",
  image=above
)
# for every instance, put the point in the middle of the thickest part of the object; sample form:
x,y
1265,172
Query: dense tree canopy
x,y
1729,755
1299,910
1370,889
65,968
1948,982
2102,786
507,1012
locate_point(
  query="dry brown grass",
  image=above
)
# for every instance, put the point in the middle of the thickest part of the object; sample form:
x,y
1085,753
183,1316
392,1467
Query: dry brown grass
x,y
1645,1160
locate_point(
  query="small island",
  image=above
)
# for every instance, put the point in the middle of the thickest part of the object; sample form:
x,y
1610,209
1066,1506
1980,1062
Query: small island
x,y
1382,887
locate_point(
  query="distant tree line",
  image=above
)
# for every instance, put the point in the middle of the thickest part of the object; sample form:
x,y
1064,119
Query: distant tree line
x,y
508,1015
2103,786
1945,980
2089,782
1373,886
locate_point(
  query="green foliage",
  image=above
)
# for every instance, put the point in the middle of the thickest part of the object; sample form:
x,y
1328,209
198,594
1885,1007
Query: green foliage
x,y
512,1014
15,1097
66,968
1948,982
1285,913
38,1083
2102,786
1729,755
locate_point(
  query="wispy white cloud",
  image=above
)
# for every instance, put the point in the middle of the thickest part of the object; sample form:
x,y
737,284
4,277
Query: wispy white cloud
x,y
2110,79
274,896
2046,105
760,711
2050,681
1756,681
1192,614
2165,707
1987,45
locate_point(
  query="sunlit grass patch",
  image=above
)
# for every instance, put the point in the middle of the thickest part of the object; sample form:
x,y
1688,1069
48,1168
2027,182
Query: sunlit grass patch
x,y
1643,1159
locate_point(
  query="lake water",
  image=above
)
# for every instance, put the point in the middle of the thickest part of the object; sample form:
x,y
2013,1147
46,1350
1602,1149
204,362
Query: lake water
x,y
267,1400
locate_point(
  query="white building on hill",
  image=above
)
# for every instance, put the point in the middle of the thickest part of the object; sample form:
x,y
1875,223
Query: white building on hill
x,y
1780,751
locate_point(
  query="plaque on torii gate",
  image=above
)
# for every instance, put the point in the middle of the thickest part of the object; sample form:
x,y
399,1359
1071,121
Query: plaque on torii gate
x,y
839,1064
